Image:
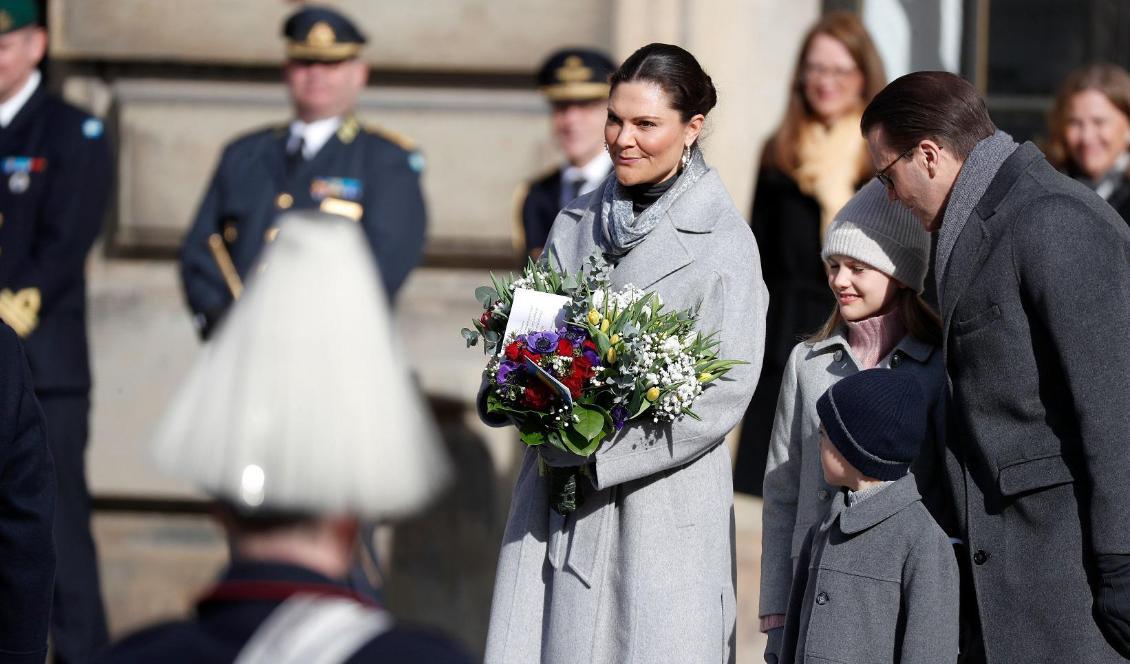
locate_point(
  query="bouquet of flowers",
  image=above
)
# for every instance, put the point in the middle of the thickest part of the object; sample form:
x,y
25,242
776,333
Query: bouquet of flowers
x,y
572,361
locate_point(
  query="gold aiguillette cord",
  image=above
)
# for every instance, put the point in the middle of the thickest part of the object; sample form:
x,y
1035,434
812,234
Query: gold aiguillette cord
x,y
227,267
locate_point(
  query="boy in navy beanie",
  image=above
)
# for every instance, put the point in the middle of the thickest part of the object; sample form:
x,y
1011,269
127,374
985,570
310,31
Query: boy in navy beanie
x,y
876,580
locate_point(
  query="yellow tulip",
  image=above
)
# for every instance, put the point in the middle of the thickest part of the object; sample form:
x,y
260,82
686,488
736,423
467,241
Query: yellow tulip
x,y
604,325
594,316
705,377
652,394
611,355
615,339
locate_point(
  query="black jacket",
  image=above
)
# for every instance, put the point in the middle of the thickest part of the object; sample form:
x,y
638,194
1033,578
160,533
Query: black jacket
x,y
540,208
57,177
225,622
27,508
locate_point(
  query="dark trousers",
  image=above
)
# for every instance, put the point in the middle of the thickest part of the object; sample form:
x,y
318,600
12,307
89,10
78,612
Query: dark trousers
x,y
78,621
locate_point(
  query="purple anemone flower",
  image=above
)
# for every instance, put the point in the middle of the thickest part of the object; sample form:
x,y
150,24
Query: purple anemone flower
x,y
619,417
542,342
592,357
575,335
504,369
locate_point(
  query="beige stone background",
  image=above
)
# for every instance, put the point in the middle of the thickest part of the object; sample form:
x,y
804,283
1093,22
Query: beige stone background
x,y
175,80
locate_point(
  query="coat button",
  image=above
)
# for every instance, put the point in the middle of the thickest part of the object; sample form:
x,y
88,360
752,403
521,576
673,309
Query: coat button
x,y
231,234
271,234
822,598
284,201
896,360
980,557
838,355
823,494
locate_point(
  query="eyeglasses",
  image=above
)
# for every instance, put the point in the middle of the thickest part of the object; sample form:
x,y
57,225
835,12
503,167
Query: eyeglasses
x,y
882,176
837,74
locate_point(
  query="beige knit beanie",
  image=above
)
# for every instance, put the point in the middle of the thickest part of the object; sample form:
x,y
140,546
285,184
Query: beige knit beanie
x,y
881,233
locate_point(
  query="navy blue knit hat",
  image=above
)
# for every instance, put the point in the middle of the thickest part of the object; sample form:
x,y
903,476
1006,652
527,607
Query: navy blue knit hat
x,y
877,420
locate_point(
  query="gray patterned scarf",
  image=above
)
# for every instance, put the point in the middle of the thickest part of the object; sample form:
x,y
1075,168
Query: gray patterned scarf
x,y
972,182
622,229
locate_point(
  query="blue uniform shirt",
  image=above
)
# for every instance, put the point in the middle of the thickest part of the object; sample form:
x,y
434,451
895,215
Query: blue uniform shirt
x,y
360,170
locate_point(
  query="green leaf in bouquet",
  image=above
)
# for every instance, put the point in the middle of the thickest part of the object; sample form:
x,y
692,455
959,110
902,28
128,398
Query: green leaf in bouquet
x,y
589,421
554,438
532,438
638,405
580,445
492,337
470,336
486,296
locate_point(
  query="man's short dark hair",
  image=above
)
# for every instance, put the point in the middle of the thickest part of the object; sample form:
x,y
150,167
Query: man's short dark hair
x,y
934,105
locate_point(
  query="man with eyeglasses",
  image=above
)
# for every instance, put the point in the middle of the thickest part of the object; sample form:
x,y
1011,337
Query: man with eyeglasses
x,y
1033,279
323,159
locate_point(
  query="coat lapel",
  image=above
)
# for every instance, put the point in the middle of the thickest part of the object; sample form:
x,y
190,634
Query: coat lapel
x,y
965,261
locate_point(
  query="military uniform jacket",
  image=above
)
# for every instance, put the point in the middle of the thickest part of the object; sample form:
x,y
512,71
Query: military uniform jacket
x,y
27,508
57,173
246,596
253,184
876,582
540,208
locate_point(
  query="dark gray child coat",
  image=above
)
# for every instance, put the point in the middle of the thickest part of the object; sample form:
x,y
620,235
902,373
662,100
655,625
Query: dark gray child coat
x,y
875,582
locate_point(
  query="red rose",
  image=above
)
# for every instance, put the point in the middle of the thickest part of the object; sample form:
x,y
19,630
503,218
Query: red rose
x,y
526,354
564,348
575,382
536,396
589,344
583,366
513,351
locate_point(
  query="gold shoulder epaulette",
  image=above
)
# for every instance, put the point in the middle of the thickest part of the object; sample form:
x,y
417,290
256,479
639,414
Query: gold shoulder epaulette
x,y
396,137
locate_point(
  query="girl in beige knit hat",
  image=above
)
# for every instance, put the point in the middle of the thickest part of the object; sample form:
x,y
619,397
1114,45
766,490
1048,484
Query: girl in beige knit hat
x,y
876,255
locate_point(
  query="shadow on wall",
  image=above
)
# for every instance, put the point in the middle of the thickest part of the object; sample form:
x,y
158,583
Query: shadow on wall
x,y
443,560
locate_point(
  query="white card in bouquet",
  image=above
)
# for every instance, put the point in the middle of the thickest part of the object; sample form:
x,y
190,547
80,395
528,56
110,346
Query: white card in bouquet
x,y
534,311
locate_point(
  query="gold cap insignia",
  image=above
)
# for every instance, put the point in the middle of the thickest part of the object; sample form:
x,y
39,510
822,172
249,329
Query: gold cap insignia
x,y
5,21
321,35
573,71
20,310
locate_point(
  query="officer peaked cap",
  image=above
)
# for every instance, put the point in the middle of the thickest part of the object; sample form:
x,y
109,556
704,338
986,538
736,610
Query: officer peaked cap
x,y
320,33
575,74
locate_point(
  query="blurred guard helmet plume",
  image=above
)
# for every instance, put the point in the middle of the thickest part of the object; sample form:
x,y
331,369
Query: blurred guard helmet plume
x,y
301,401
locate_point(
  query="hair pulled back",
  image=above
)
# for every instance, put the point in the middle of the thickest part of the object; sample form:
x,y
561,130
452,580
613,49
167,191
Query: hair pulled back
x,y
676,71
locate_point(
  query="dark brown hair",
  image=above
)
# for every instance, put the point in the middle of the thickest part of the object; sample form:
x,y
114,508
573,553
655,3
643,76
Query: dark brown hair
x,y
933,105
1111,80
675,71
846,28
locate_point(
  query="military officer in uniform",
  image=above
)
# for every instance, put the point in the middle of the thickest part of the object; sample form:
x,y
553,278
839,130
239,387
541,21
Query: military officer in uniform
x,y
324,159
299,463
575,82
27,502
56,178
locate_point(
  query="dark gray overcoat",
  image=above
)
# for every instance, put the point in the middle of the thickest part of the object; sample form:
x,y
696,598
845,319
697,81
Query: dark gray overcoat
x,y
1035,314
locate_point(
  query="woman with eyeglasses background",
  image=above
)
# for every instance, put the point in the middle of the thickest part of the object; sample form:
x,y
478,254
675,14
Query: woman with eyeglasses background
x,y
811,165
1090,132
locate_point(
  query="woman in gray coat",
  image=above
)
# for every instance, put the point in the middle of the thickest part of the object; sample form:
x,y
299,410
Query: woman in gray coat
x,y
643,570
876,258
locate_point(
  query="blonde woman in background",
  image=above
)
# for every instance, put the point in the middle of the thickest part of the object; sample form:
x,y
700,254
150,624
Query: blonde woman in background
x,y
1090,132
810,167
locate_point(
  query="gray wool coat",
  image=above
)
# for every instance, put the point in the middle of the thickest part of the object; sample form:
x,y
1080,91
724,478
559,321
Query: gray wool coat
x,y
876,582
1035,315
643,571
796,495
